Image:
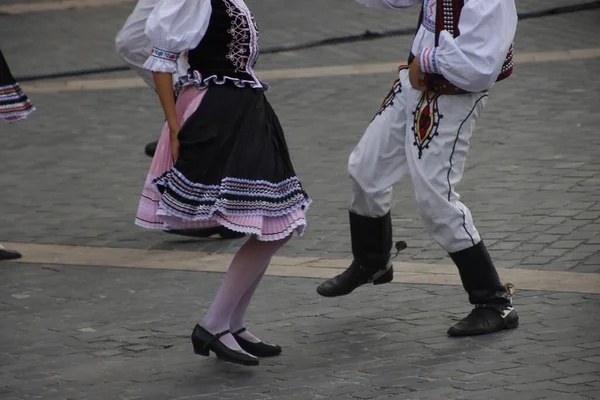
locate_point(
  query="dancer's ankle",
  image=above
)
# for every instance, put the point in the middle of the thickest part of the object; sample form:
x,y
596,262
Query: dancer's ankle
x,y
228,339
245,334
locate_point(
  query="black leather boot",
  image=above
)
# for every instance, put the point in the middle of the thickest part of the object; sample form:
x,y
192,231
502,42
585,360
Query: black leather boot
x,y
493,310
371,245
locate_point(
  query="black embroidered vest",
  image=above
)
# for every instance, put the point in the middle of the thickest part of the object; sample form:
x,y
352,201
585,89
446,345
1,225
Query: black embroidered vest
x,y
229,49
447,16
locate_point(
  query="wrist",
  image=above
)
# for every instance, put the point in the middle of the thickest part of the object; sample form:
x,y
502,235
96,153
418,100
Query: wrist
x,y
174,130
428,61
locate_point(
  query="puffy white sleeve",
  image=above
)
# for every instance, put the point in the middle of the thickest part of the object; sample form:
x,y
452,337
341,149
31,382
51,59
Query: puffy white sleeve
x,y
473,60
175,26
387,4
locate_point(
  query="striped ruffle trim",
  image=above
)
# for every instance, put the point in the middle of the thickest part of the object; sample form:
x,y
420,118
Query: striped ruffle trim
x,y
265,228
272,211
14,104
196,79
234,196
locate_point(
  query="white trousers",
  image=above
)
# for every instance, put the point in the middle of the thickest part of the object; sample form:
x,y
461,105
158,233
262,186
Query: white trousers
x,y
426,136
134,47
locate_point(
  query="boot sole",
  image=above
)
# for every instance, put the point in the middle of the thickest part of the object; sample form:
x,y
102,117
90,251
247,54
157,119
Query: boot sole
x,y
510,325
248,364
206,353
387,277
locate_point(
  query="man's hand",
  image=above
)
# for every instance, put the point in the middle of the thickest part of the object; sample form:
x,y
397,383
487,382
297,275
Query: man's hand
x,y
416,76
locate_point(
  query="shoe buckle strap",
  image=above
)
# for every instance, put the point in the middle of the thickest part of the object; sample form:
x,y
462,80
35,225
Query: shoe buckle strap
x,y
504,311
217,336
221,334
242,330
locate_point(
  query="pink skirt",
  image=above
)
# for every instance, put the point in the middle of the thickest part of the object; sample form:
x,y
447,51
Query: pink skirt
x,y
157,211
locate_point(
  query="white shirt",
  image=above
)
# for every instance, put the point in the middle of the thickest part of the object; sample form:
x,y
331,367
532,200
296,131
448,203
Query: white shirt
x,y
473,60
173,27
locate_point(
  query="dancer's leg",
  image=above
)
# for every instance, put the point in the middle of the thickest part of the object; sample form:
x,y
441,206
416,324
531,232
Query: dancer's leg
x,y
246,267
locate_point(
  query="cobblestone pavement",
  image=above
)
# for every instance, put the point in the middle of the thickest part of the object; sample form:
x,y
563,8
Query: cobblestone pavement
x,y
72,174
126,336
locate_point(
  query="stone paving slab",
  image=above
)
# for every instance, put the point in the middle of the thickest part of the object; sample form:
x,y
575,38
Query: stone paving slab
x,y
72,174
305,267
119,81
97,333
531,180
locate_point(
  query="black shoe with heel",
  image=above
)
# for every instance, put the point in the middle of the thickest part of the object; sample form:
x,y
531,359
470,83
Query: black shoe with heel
x,y
6,254
260,349
204,342
150,148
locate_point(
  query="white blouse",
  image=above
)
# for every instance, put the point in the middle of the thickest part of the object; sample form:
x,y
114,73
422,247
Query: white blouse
x,y
175,26
473,60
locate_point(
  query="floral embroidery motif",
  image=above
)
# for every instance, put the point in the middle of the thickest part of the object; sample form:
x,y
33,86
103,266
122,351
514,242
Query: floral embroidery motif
x,y
163,54
426,121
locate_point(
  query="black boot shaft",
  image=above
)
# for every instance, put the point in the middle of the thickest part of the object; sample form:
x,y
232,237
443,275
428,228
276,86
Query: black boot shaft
x,y
479,276
371,246
371,240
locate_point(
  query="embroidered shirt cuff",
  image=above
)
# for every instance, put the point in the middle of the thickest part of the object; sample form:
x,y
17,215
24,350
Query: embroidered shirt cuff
x,y
428,62
162,61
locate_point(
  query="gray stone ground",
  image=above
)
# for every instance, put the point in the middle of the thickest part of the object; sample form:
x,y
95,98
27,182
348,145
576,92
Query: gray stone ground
x,y
72,174
74,171
126,336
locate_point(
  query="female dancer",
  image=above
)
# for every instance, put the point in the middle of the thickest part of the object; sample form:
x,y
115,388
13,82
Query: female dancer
x,y
222,158
14,106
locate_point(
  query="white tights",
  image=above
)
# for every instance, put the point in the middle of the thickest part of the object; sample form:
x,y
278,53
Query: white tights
x,y
241,280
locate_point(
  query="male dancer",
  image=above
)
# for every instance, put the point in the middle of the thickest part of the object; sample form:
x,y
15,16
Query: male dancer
x,y
423,128
134,47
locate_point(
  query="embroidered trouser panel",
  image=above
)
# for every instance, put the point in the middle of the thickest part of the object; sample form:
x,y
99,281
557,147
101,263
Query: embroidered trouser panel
x,y
426,136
